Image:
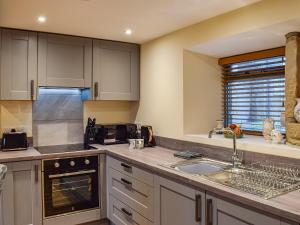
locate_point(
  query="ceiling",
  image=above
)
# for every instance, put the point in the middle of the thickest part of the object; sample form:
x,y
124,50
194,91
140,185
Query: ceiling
x,y
108,19
255,40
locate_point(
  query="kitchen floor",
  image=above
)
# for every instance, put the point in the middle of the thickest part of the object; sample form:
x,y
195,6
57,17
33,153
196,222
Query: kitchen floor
x,y
100,222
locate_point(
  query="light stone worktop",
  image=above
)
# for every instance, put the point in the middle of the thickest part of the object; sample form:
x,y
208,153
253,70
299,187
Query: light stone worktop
x,y
286,206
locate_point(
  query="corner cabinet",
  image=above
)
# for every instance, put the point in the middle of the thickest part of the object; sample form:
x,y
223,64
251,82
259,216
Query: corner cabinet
x,y
18,64
64,61
179,204
115,71
220,212
22,194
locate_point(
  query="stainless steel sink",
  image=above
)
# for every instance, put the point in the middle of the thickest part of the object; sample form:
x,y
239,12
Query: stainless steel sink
x,y
203,166
263,179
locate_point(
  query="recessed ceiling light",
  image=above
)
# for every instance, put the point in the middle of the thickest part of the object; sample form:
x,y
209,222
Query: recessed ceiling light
x,y
41,19
128,31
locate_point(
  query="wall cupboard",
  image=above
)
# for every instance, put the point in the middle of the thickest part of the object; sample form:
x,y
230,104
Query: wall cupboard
x,y
109,69
64,61
115,70
18,65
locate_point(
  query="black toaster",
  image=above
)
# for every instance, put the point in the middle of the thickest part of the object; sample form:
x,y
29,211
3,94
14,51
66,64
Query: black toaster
x,y
13,141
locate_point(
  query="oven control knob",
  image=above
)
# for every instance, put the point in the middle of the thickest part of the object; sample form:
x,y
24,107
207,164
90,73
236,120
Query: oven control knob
x,y
87,162
56,165
72,163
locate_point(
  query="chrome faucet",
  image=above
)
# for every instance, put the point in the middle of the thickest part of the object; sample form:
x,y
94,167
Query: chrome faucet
x,y
236,161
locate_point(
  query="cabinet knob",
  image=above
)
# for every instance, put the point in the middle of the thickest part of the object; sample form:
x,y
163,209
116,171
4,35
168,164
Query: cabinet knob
x,y
56,165
87,162
72,163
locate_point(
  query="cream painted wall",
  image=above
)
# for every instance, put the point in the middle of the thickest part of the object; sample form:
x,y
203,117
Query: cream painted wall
x,y
162,95
202,93
110,111
16,114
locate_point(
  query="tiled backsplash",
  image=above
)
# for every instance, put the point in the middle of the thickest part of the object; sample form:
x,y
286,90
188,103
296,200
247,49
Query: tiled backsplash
x,y
220,153
57,117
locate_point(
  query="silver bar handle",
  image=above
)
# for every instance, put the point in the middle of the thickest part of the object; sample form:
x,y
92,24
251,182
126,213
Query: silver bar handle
x,y
96,90
71,174
32,89
36,173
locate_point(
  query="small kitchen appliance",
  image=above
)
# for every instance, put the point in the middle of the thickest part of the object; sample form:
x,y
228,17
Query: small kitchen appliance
x,y
13,141
147,135
107,134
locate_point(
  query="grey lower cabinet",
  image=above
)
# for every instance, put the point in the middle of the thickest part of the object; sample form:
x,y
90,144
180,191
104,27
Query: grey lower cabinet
x,y
178,204
64,61
115,70
18,64
221,212
21,196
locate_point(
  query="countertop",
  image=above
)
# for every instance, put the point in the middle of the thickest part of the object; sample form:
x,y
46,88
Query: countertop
x,y
286,206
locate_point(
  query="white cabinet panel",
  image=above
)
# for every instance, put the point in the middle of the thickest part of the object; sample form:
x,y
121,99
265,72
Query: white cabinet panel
x,y
115,70
18,64
220,212
180,204
21,195
64,61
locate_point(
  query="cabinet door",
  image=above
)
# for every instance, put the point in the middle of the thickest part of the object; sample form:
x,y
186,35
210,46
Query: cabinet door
x,y
220,212
180,204
64,61
115,71
22,194
18,64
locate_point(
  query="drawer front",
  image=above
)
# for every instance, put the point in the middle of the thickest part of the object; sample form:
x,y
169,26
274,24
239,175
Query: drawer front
x,y
130,170
136,194
122,214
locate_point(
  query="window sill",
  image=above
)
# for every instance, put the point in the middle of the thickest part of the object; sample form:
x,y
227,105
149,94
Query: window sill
x,y
247,143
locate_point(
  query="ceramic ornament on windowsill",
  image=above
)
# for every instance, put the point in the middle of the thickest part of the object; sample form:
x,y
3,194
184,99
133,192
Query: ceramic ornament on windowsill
x,y
267,129
297,110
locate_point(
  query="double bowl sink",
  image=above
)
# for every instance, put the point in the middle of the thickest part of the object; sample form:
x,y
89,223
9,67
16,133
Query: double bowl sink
x,y
251,179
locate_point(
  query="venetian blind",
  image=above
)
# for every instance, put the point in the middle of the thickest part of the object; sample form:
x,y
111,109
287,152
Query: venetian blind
x,y
253,90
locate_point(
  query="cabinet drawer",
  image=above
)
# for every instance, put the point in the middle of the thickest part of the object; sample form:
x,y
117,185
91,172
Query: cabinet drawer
x,y
136,194
131,171
122,214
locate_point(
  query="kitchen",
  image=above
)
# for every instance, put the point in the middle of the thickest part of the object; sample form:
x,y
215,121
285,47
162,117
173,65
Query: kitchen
x,y
167,113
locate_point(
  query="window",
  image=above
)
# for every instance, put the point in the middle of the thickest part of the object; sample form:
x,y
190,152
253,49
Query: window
x,y
254,90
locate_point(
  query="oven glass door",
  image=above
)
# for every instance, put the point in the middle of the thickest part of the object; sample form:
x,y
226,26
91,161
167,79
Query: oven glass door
x,y
71,191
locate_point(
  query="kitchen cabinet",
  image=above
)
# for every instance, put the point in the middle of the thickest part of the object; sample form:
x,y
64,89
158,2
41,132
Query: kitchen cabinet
x,y
179,204
18,64
115,71
220,212
64,61
130,193
122,214
21,194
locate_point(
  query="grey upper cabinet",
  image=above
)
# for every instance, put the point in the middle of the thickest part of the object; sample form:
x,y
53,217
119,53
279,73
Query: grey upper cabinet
x,y
18,66
21,194
179,204
220,212
115,70
64,61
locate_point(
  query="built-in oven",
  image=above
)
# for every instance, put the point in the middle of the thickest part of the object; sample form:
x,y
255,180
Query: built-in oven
x,y
70,185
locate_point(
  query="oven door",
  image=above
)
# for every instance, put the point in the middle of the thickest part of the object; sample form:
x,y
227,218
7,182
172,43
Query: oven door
x,y
71,191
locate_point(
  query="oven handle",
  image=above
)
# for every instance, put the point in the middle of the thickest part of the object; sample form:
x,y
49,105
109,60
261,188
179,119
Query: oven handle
x,y
71,174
